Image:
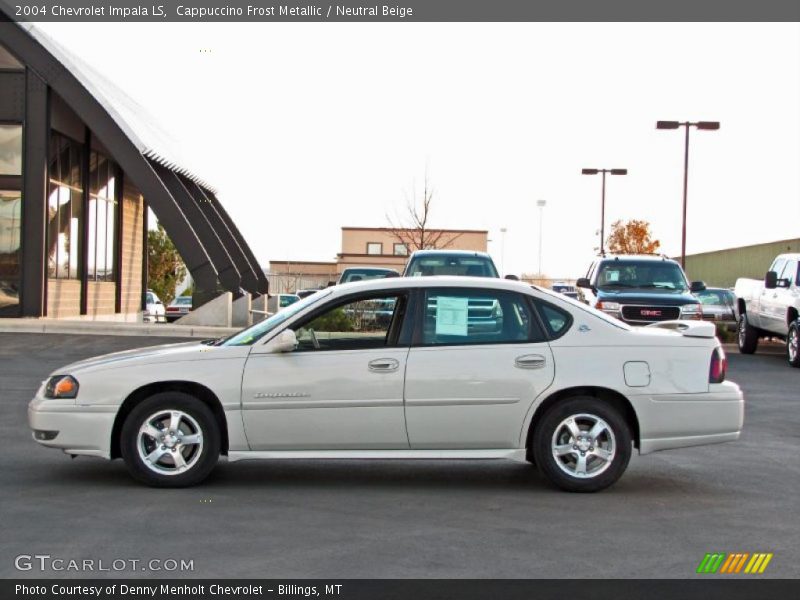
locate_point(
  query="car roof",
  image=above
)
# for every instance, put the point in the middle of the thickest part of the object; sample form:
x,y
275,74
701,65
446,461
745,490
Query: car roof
x,y
790,255
369,269
450,253
435,281
639,257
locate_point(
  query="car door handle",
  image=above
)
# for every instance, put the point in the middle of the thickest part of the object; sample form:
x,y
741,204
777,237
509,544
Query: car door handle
x,y
383,365
530,361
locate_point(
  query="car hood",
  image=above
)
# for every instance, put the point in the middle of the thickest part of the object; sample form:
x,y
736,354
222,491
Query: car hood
x,y
159,354
656,297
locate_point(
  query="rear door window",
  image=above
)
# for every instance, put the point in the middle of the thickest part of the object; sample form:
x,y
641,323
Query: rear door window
x,y
556,320
456,316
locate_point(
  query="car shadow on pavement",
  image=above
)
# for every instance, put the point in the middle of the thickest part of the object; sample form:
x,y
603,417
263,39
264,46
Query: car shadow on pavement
x,y
366,476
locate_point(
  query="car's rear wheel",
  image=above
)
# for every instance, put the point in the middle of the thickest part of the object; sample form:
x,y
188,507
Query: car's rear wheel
x,y
747,336
171,439
582,444
793,343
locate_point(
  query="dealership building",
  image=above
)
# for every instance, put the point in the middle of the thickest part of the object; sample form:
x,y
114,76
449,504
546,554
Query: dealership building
x,y
383,247
80,163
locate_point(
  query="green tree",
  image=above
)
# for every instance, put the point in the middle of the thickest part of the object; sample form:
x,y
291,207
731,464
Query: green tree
x,y
165,268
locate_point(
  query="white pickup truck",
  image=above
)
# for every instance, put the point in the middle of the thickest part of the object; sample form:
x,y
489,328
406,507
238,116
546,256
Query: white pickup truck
x,y
770,307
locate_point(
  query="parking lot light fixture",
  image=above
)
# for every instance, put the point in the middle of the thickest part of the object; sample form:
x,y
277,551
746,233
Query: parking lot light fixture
x,y
603,198
706,126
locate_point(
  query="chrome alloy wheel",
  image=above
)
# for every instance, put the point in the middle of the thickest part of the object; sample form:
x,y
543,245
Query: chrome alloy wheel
x,y
793,344
583,446
170,442
742,330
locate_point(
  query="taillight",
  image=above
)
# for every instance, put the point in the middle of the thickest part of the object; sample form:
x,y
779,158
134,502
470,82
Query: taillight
x,y
719,366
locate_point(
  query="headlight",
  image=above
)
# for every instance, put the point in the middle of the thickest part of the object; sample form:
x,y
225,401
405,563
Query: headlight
x,y
691,311
612,306
61,386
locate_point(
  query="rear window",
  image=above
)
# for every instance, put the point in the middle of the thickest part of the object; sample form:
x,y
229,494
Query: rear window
x,y
715,297
183,300
287,300
350,275
469,266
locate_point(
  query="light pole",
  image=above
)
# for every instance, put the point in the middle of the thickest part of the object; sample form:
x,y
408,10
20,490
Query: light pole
x,y
706,125
603,199
503,250
541,204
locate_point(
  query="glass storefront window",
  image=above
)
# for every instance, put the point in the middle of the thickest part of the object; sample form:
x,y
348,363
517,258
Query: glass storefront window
x,y
10,149
7,61
64,206
10,233
101,218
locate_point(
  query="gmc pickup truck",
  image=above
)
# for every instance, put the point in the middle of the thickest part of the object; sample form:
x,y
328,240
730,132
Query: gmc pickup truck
x,y
770,308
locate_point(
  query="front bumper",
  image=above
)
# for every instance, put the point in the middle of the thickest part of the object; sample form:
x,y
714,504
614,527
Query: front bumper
x,y
83,430
682,420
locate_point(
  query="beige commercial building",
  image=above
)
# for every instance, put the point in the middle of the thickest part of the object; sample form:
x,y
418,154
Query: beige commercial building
x,y
367,246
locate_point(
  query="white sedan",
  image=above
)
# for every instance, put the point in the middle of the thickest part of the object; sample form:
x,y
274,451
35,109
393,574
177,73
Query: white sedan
x,y
460,368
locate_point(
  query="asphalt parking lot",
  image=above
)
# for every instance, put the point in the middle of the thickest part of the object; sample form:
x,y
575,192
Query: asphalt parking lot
x,y
404,519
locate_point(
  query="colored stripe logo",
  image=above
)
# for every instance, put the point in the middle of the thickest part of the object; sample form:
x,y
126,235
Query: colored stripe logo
x,y
735,562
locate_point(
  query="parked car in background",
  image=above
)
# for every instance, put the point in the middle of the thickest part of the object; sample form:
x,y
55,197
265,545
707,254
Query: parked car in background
x,y
277,302
154,311
718,306
351,274
424,263
556,383
770,307
564,288
179,307
640,289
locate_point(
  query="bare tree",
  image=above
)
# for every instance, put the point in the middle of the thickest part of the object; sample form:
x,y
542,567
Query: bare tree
x,y
413,231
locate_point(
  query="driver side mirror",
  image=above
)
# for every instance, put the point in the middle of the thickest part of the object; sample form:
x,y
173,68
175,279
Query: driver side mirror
x,y
771,280
285,341
583,282
697,286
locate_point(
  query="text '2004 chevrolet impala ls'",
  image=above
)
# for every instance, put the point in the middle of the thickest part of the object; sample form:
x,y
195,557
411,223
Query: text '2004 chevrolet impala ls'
x,y
404,368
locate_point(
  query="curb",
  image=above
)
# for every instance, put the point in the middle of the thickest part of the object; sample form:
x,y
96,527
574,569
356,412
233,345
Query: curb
x,y
111,328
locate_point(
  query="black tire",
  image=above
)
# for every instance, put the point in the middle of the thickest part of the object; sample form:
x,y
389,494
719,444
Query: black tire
x,y
793,344
200,457
556,469
746,336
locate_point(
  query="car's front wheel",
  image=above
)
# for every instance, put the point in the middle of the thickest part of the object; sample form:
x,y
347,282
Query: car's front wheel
x,y
582,444
747,336
171,439
793,343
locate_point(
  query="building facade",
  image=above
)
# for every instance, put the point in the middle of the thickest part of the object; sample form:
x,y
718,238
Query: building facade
x,y
722,268
80,163
366,247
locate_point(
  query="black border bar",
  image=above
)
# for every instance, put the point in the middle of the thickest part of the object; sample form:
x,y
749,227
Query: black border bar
x,y
402,10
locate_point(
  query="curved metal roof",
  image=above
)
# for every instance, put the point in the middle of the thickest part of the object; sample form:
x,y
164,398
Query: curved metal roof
x,y
139,125
207,239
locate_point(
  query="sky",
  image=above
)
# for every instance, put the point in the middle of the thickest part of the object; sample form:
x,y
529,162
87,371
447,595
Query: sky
x,y
307,127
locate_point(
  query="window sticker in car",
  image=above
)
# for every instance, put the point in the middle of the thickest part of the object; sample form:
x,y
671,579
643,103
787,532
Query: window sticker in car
x,y
452,314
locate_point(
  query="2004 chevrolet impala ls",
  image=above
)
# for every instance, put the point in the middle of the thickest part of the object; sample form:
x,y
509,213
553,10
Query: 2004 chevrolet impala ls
x,y
440,367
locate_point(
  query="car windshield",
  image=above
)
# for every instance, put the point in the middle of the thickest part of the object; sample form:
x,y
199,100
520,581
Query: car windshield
x,y
252,334
362,274
183,301
641,274
470,266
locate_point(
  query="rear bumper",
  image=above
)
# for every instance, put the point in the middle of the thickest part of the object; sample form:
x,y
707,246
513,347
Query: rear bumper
x,y
682,420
